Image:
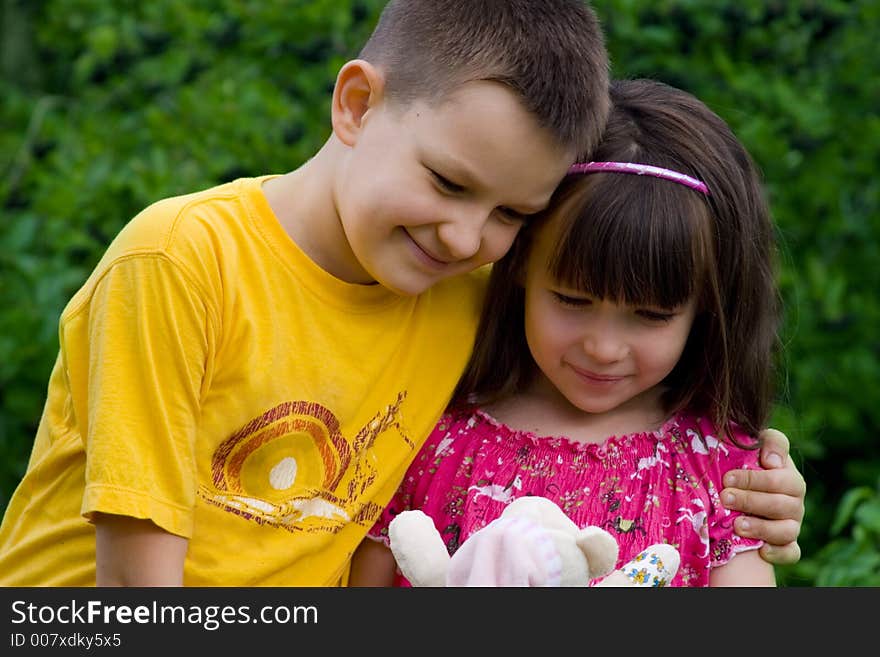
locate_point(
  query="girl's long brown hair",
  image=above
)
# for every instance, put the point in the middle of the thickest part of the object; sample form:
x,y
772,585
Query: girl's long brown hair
x,y
646,241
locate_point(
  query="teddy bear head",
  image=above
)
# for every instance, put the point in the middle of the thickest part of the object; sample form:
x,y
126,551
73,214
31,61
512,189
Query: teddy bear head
x,y
532,543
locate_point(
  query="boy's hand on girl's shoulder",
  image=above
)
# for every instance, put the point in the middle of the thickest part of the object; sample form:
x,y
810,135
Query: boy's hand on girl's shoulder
x,y
771,500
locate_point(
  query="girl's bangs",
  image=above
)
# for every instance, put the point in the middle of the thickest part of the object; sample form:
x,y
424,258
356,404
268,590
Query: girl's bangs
x,y
631,239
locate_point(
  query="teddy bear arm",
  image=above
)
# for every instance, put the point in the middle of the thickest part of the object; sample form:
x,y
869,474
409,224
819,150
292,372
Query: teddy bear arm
x,y
418,549
600,548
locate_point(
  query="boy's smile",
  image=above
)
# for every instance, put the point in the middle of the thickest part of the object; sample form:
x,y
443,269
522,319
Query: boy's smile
x,y
434,189
429,259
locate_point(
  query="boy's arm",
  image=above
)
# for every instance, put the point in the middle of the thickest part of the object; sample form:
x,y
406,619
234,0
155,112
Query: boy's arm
x,y
372,565
772,500
745,569
134,552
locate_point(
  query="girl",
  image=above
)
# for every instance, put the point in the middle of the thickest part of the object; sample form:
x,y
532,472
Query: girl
x,y
641,369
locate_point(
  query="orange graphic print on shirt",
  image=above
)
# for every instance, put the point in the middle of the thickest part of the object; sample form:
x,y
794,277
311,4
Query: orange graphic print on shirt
x,y
292,468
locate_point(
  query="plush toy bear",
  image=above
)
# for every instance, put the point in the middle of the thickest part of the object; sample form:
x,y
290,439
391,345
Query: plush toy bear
x,y
532,543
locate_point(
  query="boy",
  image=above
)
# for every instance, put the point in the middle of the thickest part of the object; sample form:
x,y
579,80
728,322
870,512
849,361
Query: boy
x,y
245,376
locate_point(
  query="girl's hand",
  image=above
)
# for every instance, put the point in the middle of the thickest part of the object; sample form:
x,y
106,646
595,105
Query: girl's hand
x,y
771,500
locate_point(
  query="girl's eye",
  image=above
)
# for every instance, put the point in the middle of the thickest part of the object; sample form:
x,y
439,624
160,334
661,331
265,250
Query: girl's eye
x,y
446,184
655,315
567,300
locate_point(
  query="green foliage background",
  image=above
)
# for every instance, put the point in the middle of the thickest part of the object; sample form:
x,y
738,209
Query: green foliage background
x,y
107,107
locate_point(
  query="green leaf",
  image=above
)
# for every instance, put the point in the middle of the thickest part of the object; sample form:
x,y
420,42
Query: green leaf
x,y
847,507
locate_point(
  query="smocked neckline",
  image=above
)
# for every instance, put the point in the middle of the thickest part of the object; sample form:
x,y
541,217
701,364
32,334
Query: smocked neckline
x,y
535,439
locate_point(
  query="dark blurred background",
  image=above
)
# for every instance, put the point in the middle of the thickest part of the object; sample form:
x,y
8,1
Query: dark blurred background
x,y
107,107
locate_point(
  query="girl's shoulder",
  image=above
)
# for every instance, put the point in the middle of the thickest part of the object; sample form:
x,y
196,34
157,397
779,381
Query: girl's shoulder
x,y
703,440
700,427
461,421
456,425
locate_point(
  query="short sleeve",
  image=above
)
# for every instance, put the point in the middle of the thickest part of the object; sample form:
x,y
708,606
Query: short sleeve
x,y
136,354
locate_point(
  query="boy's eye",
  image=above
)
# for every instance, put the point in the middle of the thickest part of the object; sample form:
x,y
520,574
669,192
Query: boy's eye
x,y
513,215
567,300
446,184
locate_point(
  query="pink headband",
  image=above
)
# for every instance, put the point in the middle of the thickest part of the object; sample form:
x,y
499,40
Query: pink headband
x,y
640,169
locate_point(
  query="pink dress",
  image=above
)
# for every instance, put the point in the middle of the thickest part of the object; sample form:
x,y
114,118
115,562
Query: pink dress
x,y
653,487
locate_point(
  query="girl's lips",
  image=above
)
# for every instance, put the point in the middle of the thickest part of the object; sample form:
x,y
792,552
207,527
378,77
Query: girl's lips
x,y
594,377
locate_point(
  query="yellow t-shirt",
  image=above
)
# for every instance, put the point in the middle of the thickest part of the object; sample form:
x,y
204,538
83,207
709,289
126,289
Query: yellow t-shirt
x,y
213,379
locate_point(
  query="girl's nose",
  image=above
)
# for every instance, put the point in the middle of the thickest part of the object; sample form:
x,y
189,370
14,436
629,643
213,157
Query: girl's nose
x,y
603,342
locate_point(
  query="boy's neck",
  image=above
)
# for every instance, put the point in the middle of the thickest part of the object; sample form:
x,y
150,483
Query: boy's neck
x,y
303,202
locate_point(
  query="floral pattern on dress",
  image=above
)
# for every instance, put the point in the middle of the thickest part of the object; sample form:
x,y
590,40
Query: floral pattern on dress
x,y
651,487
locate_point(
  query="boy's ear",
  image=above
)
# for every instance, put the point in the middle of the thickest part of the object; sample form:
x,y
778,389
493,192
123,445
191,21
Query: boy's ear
x,y
359,87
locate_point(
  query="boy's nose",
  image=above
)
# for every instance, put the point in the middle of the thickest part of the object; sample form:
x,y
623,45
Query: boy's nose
x,y
462,236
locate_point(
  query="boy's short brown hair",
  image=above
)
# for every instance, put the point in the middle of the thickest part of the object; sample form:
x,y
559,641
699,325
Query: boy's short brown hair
x,y
550,52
